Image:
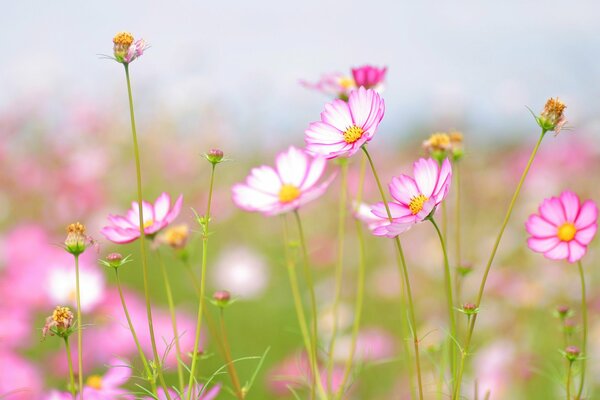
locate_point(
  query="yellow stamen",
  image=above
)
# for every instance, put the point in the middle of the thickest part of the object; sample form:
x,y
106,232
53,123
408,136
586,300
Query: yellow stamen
x,y
566,232
352,134
94,381
288,193
439,141
148,223
416,203
62,314
124,39
77,228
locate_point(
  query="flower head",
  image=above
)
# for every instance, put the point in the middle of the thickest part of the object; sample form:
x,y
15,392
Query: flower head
x,y
175,236
108,387
414,199
441,145
369,77
126,229
126,49
334,85
77,241
214,156
291,184
563,227
345,126
59,323
552,117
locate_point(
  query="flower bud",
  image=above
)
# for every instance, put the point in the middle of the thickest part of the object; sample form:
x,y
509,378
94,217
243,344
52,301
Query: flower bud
x,y
214,156
563,311
469,309
125,49
552,117
59,323
115,260
221,298
76,241
572,353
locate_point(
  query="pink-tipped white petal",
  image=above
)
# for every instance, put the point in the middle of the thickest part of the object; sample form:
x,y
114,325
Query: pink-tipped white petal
x,y
539,227
320,132
570,203
576,251
588,215
120,236
161,206
397,228
396,210
121,222
251,199
171,215
292,166
337,114
265,179
403,188
314,173
426,175
552,211
443,183
330,151
428,207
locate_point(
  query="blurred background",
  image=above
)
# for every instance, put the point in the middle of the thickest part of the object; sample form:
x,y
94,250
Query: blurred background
x,y
226,74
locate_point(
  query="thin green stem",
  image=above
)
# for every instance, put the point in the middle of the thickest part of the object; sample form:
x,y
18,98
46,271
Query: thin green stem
x,y
444,220
140,197
584,316
404,274
449,299
569,370
339,270
205,235
79,329
313,305
488,266
230,364
70,362
457,222
149,375
360,294
173,320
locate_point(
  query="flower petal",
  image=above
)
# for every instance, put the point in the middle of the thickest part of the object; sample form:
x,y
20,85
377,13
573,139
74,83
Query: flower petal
x,y
584,236
250,199
315,171
161,206
264,179
570,203
588,215
576,251
171,215
320,132
560,252
396,210
539,227
292,166
426,175
403,188
443,182
542,245
337,114
367,109
119,235
552,211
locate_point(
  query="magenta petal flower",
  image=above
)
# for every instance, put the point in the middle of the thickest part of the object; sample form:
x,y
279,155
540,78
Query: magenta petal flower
x,y
369,77
345,126
414,199
292,183
125,229
563,227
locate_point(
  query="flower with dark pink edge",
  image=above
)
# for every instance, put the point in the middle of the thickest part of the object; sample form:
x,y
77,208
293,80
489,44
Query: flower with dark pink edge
x,y
369,77
416,199
563,227
126,229
291,184
345,126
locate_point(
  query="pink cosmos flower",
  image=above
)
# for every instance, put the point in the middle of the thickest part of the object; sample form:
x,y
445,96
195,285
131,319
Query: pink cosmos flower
x,y
368,76
126,229
414,199
334,85
563,228
345,126
107,387
291,184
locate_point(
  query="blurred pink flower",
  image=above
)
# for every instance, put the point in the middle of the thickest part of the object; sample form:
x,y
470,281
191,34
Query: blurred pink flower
x,y
107,387
19,379
156,216
369,77
208,395
334,85
563,228
287,187
415,199
56,395
363,213
346,126
60,285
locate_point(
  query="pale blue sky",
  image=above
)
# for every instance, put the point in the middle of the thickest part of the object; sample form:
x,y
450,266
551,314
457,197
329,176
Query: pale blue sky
x,y
467,64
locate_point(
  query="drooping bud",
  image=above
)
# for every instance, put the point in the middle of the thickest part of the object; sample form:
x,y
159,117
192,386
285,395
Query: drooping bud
x,y
76,241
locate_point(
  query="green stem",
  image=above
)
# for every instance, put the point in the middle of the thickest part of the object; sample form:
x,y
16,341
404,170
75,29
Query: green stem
x,y
404,274
230,364
70,362
569,369
140,197
467,345
360,294
457,221
449,299
313,306
339,270
173,321
584,316
202,280
149,374
79,330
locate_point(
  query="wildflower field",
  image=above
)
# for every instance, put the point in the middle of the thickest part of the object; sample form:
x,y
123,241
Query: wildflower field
x,y
140,259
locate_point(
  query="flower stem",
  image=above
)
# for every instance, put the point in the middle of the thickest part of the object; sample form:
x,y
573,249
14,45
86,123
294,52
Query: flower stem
x,y
79,330
339,270
173,321
138,170
205,234
449,299
230,364
70,362
150,377
456,171
404,274
585,329
313,306
569,369
467,345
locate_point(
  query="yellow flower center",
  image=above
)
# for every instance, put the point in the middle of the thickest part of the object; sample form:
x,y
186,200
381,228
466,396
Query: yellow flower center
x,y
148,223
77,228
438,141
352,134
94,381
61,314
124,39
566,232
288,193
346,82
416,203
